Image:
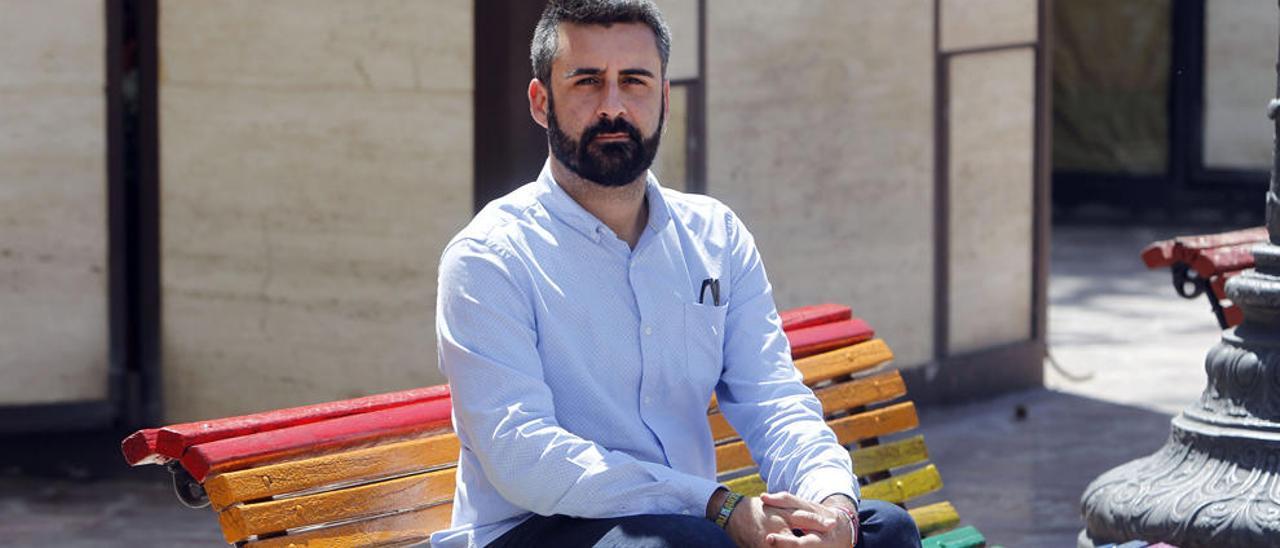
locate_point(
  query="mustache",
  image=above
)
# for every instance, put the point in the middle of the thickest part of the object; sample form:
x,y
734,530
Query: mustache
x,y
616,125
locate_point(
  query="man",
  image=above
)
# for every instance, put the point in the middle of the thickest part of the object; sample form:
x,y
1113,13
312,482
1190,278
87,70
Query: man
x,y
582,338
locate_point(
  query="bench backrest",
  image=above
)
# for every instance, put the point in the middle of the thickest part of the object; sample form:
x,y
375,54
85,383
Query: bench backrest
x,y
381,469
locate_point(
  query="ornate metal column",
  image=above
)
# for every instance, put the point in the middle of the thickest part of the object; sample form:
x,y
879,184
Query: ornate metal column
x,y
1216,482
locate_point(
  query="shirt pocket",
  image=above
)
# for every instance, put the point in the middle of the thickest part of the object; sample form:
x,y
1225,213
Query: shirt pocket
x,y
704,346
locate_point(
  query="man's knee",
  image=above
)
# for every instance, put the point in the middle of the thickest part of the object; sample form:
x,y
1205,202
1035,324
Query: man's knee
x,y
662,530
885,524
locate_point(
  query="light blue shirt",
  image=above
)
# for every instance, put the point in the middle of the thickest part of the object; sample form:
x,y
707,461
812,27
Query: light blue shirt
x,y
581,369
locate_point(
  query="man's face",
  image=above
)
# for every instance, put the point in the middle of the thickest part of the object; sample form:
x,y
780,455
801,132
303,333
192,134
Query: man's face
x,y
606,101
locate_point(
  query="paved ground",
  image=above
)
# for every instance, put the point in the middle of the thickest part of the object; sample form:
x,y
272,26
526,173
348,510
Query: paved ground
x,y
1019,481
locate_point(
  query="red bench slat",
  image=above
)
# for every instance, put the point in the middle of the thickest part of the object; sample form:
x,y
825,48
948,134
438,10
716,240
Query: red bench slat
x,y
173,440
140,448
1208,262
1225,239
818,314
821,338
1158,254
232,453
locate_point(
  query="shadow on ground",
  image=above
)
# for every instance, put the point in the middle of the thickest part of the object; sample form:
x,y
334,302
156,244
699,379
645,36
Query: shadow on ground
x,y
1019,481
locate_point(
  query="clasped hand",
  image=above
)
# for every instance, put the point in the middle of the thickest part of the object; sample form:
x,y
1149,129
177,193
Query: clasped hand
x,y
784,520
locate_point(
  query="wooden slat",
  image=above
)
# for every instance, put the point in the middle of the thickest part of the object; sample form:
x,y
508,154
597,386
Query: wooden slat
x,y
173,440
241,521
935,518
904,487
818,314
396,529
140,448
875,423
313,438
837,397
879,422
1158,254
822,338
1223,259
1224,239
860,392
844,361
964,537
720,428
371,463
882,458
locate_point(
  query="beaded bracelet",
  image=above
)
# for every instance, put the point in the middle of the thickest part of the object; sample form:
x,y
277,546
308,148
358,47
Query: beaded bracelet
x,y
730,502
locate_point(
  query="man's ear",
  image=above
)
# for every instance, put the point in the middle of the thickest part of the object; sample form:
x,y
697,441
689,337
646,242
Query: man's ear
x,y
538,102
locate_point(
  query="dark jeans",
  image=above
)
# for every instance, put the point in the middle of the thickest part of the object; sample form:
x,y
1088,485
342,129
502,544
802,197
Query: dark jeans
x,y
883,526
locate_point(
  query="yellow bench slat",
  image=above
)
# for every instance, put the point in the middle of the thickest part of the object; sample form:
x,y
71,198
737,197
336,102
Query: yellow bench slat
x,y
371,463
881,458
868,424
243,520
396,529
904,487
935,518
837,397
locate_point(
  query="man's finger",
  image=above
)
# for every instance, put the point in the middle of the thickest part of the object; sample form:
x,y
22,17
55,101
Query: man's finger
x,y
809,521
784,500
789,541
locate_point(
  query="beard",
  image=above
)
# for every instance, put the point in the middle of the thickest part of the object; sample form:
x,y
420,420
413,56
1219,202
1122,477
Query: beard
x,y
611,164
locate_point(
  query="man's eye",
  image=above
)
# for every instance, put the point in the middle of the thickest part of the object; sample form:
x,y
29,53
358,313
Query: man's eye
x,y
633,80
588,81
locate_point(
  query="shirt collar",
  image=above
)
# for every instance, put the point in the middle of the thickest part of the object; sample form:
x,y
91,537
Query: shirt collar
x,y
564,207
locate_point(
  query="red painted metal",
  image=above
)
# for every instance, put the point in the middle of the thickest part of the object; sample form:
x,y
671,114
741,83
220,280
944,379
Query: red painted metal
x,y
822,338
818,314
174,440
1159,254
253,449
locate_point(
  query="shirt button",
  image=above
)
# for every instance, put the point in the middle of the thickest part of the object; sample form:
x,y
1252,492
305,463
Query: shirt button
x,y
648,400
648,330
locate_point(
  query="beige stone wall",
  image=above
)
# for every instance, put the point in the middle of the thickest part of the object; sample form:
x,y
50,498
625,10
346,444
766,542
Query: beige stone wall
x,y
316,156
983,23
53,237
1239,80
820,135
991,140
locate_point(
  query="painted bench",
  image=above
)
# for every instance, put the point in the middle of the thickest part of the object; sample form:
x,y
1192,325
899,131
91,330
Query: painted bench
x,y
379,470
1201,265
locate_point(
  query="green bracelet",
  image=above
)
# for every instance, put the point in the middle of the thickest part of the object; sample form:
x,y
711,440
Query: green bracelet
x,y
730,502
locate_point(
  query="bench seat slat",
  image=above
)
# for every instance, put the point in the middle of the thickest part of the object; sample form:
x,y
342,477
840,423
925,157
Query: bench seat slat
x,y
837,397
314,438
241,521
370,463
882,458
140,448
869,424
935,518
396,530
1209,262
904,487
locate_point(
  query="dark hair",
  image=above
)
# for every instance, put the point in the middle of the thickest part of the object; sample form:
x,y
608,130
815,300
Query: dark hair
x,y
593,12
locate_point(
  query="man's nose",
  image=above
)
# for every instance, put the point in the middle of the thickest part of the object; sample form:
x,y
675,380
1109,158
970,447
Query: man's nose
x,y
611,106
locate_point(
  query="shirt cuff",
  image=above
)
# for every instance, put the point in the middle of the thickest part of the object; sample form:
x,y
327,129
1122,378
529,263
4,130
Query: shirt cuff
x,y
824,482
